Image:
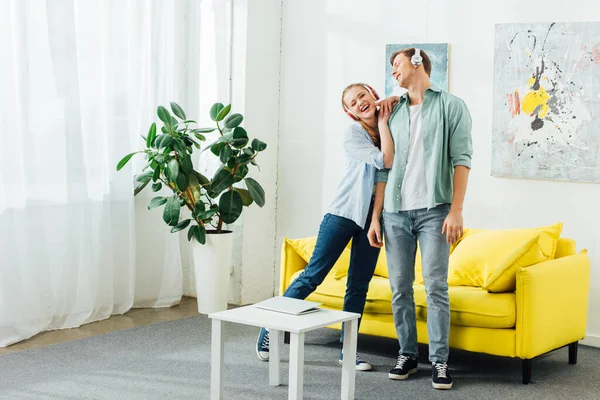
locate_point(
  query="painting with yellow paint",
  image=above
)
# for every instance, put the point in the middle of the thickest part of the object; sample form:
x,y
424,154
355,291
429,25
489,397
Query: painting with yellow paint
x,y
546,106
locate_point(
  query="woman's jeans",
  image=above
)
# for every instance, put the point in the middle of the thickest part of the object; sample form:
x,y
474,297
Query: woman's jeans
x,y
334,234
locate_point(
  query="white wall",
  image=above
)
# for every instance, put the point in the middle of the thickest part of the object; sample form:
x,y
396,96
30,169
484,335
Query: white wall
x,y
327,44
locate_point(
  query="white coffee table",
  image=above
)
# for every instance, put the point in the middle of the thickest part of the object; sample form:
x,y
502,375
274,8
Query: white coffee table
x,y
297,326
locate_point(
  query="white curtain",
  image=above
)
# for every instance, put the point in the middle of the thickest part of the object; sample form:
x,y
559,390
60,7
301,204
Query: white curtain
x,y
79,83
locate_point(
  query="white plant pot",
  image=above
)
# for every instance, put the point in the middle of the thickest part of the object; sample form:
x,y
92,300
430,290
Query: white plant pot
x,y
212,268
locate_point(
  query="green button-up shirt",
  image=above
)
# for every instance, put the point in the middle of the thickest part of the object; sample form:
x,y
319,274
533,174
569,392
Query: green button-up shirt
x,y
446,131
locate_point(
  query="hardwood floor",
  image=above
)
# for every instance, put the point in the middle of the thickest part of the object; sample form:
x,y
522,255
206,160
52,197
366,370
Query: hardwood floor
x,y
133,318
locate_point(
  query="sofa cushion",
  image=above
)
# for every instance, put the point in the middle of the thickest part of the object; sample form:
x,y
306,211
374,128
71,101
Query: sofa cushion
x,y
490,254
305,247
469,306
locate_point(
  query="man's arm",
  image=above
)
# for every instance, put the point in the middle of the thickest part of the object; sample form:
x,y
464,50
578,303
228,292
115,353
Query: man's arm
x,y
461,150
374,235
453,225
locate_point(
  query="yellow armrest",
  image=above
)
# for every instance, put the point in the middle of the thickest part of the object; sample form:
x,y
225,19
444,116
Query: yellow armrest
x,y
291,262
552,303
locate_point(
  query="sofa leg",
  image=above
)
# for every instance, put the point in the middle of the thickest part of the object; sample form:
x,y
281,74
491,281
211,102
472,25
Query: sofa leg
x,y
526,369
573,353
286,338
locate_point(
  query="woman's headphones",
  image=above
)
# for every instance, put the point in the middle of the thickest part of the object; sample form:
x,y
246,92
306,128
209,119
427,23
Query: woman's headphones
x,y
371,91
416,59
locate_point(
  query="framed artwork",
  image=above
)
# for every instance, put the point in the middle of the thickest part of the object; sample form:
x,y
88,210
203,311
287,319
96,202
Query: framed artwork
x,y
546,104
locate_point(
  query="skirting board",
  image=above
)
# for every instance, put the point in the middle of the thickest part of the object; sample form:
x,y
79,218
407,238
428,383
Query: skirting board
x,y
591,340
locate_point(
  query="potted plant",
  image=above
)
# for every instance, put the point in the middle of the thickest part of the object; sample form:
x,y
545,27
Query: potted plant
x,y
210,202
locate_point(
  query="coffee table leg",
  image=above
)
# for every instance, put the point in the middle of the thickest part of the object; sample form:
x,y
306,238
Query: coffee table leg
x,y
349,364
296,366
274,357
216,380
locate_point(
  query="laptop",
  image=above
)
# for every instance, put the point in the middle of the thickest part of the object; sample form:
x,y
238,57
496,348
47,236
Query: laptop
x,y
288,305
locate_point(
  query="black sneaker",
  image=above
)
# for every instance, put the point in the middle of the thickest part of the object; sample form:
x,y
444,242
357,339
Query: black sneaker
x,y
440,376
262,345
405,366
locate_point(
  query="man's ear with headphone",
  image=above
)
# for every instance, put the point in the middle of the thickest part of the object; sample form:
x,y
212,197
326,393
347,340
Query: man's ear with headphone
x,y
416,59
371,91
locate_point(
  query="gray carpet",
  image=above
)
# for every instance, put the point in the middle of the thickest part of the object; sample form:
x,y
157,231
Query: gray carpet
x,y
171,360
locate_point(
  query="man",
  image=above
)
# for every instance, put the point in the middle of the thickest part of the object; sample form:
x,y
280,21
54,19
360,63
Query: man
x,y
422,195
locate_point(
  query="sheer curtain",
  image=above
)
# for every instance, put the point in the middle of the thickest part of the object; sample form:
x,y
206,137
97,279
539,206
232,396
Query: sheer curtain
x,y
80,82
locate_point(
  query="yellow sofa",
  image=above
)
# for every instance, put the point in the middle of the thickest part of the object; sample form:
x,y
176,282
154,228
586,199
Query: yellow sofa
x,y
544,307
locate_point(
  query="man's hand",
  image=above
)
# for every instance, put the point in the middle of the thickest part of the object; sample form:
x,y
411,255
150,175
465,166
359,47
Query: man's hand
x,y
453,226
387,105
374,234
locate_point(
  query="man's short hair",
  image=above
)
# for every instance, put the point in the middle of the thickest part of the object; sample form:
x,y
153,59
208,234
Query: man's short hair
x,y
411,52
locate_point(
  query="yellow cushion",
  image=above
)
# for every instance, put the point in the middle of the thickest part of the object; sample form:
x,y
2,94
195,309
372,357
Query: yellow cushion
x,y
469,306
489,254
305,247
504,277
565,247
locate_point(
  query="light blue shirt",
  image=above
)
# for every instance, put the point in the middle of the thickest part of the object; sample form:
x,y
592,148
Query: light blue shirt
x,y
362,160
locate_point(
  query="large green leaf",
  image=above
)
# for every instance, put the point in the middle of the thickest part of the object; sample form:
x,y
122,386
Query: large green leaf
x,y
186,164
182,181
198,208
181,226
258,145
233,120
215,110
222,180
178,111
244,158
163,141
197,232
140,186
246,196
151,135
165,116
180,146
223,113
125,160
225,154
240,137
156,174
216,148
207,214
157,202
256,191
145,177
171,211
203,130
231,205
172,170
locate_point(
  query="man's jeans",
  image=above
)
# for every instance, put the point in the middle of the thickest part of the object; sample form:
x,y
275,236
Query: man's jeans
x,y
402,230
334,234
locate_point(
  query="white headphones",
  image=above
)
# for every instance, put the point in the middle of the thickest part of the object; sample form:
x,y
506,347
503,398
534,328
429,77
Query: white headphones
x,y
416,59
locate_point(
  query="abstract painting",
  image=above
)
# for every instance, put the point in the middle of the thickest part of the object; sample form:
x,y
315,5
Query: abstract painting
x,y
438,54
546,107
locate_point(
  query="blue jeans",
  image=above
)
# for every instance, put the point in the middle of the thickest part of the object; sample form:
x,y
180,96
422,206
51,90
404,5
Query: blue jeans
x,y
334,234
401,231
